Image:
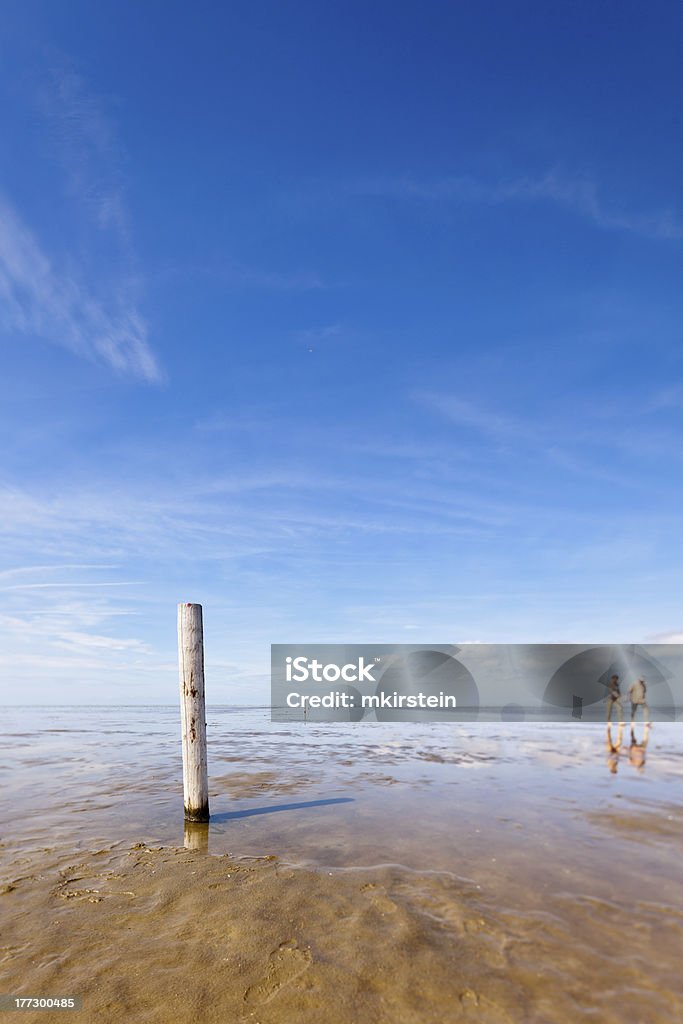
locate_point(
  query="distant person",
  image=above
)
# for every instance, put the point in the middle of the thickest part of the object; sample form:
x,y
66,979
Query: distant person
x,y
636,752
614,699
636,694
614,748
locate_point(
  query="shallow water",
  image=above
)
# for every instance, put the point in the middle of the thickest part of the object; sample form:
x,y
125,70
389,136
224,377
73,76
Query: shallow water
x,y
525,872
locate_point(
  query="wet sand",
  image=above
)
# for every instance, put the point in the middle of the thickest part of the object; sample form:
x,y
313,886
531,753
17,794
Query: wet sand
x,y
349,874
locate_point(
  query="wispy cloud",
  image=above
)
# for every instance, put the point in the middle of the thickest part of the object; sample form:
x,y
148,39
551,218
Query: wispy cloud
x,y
674,637
235,274
496,425
57,629
321,333
579,194
87,304
257,537
36,300
666,398
239,275
267,538
87,147
27,570
622,451
71,586
94,641
314,336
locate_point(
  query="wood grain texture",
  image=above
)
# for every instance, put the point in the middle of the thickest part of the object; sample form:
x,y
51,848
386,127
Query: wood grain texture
x,y
193,712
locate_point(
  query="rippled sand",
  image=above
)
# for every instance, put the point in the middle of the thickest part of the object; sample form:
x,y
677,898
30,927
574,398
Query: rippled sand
x,y
349,874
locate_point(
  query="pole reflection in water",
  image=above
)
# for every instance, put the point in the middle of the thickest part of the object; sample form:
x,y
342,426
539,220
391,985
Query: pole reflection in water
x,y
196,836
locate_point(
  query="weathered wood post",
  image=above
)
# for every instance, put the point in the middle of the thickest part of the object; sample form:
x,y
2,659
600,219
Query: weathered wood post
x,y
193,712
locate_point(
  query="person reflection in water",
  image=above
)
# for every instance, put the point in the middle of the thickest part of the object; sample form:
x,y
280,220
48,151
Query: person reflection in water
x,y
614,748
614,699
636,694
636,752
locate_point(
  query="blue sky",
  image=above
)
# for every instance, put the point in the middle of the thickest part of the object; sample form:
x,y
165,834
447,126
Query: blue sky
x,y
353,322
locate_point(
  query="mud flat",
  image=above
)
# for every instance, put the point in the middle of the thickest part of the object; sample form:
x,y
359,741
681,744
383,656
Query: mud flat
x,y
386,876
157,934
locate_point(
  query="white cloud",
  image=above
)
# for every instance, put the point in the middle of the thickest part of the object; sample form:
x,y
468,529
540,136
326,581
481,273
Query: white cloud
x,y
468,414
94,641
37,300
55,636
239,275
560,436
268,540
27,570
582,195
85,141
667,398
320,333
71,586
578,194
87,305
676,637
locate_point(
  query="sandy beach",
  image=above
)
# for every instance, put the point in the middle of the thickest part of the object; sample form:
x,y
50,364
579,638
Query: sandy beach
x,y
350,873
